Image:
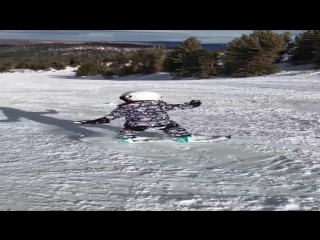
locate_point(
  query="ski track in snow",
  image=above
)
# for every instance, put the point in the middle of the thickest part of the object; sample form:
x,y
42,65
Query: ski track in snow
x,y
271,163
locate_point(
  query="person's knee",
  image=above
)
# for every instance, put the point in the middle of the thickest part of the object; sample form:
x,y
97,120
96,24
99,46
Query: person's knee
x,y
173,123
135,128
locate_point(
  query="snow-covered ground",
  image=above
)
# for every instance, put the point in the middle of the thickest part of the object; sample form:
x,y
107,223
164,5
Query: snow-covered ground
x,y
271,163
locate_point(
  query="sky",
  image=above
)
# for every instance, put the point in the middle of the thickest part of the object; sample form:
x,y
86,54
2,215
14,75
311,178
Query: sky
x,y
206,36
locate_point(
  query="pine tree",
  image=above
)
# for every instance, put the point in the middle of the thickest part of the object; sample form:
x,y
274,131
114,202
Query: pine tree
x,y
90,68
156,58
169,64
75,61
307,47
208,62
149,61
254,54
287,36
187,58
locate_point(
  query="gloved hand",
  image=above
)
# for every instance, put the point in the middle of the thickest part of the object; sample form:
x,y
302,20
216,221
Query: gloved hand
x,y
85,122
195,103
99,120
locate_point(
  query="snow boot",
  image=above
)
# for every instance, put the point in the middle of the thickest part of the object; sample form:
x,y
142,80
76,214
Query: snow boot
x,y
183,139
125,140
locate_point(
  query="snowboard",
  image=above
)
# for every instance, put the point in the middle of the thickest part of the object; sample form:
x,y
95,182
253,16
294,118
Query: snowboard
x,y
194,139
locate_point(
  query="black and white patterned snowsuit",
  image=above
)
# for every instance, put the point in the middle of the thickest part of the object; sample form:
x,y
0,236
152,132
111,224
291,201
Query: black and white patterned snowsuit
x,y
142,115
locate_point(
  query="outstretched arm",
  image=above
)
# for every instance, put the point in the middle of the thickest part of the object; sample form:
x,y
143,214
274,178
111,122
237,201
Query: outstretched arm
x,y
95,121
117,113
172,107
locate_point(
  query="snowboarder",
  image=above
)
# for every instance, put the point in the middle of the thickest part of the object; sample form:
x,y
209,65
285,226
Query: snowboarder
x,y
143,110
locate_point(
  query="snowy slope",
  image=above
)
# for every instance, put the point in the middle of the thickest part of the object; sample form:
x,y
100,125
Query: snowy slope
x,y
272,163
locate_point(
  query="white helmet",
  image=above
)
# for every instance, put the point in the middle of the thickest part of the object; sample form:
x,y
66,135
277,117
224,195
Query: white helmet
x,y
140,96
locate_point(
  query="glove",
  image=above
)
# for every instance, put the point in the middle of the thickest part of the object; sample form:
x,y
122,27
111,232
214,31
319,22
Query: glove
x,y
195,103
85,122
99,120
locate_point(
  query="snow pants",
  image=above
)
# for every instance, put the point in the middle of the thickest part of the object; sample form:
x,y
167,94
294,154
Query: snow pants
x,y
172,129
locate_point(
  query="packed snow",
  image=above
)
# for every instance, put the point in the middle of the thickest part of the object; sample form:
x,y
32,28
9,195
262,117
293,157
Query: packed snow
x,y
272,161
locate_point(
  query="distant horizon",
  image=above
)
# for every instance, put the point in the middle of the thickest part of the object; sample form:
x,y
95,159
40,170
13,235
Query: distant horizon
x,y
116,41
205,36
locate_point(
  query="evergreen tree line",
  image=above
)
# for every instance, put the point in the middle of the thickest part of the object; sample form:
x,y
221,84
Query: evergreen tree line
x,y
143,61
253,54
7,64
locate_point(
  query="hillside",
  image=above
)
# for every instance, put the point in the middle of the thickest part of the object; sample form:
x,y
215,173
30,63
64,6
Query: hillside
x,y
270,163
